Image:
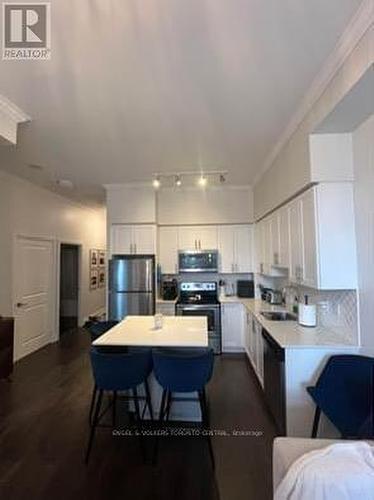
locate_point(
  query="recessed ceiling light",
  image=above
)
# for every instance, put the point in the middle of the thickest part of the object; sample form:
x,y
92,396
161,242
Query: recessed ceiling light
x,y
65,183
156,183
33,166
203,181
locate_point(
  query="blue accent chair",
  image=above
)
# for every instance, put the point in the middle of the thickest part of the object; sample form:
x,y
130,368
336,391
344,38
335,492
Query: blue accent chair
x,y
345,394
123,371
184,371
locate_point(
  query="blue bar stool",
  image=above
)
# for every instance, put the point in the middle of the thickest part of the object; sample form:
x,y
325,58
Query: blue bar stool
x,y
96,329
184,371
345,394
119,372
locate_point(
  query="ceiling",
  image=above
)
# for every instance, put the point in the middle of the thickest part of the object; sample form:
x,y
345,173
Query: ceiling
x,y
142,86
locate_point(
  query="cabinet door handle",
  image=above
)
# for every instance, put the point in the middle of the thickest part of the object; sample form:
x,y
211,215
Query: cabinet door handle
x,y
130,247
135,248
199,244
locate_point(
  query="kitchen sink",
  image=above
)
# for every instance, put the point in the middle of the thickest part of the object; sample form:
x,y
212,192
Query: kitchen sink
x,y
278,316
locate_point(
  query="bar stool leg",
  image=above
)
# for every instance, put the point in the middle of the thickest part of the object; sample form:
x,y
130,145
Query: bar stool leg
x,y
114,408
317,417
160,419
139,422
92,405
148,399
168,405
205,423
93,426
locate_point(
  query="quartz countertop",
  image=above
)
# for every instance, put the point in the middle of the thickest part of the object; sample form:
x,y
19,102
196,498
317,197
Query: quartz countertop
x,y
176,331
289,334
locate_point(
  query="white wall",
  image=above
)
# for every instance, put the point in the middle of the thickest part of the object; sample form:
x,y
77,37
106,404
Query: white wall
x,y
291,170
131,204
363,155
8,129
28,210
215,205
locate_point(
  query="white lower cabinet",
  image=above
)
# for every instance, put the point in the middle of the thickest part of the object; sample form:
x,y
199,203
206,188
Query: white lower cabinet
x,y
254,345
233,327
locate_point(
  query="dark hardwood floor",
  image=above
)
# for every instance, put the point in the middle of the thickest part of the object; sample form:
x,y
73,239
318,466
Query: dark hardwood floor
x,y
43,433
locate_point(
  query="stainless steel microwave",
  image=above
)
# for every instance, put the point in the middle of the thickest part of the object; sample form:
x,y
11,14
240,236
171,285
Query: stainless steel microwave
x,y
198,261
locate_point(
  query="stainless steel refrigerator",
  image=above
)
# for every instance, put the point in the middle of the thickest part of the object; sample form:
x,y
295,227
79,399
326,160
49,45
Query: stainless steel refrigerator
x,y
131,286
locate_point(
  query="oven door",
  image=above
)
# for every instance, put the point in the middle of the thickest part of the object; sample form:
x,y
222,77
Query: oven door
x,y
198,261
209,313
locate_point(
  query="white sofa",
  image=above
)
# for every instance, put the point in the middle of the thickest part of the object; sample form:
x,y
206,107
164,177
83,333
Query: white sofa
x,y
287,450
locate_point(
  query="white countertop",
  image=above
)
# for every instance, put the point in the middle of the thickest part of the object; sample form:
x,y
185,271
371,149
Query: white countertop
x,y
289,334
177,331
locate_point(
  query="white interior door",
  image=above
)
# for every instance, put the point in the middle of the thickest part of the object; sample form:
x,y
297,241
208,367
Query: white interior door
x,y
34,294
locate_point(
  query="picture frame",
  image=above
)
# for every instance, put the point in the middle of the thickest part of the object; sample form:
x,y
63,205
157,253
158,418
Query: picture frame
x,y
94,279
101,258
102,277
94,258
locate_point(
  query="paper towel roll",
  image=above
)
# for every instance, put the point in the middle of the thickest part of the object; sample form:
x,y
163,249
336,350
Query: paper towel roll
x,y
307,315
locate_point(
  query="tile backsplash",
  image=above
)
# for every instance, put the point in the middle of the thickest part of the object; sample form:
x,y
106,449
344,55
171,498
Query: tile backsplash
x,y
336,309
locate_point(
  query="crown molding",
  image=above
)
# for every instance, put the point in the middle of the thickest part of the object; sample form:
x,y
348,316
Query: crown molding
x,y
12,111
356,29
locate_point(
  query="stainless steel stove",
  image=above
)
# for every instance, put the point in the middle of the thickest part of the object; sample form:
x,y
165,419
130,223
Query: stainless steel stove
x,y
201,299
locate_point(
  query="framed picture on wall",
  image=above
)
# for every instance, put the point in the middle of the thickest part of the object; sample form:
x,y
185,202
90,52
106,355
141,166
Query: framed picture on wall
x,y
101,258
94,279
102,277
94,258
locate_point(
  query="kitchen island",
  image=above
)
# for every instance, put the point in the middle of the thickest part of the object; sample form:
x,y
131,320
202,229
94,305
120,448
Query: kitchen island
x,y
176,332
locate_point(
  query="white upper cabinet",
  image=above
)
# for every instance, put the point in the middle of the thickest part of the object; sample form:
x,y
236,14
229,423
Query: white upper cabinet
x,y
274,240
260,247
145,239
235,244
168,250
243,246
198,238
309,269
126,239
284,237
226,247
208,238
121,239
296,242
322,238
188,239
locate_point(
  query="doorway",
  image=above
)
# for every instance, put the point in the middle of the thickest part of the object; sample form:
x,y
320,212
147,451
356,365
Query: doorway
x,y
69,288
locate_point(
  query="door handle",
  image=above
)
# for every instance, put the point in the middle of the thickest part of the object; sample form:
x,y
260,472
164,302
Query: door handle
x,y
21,304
